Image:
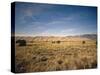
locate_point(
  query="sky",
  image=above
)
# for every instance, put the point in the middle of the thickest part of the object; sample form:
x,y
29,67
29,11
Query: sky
x,y
36,19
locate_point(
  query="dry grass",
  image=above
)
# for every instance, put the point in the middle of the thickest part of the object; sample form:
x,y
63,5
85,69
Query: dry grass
x,y
38,56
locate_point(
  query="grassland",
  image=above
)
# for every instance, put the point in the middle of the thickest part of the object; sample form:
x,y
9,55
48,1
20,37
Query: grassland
x,y
55,54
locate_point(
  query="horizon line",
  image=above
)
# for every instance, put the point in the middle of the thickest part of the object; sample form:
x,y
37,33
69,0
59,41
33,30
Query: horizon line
x,y
52,35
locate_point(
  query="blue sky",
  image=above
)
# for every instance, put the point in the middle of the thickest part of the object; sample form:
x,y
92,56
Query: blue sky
x,y
34,19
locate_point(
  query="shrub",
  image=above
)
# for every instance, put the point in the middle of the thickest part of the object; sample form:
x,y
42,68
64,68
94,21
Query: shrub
x,y
83,42
60,61
21,42
58,41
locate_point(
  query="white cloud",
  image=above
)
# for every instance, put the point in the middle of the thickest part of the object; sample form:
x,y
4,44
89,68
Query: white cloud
x,y
68,30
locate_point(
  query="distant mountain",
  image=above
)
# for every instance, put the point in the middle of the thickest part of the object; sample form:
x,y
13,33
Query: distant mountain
x,y
89,36
55,38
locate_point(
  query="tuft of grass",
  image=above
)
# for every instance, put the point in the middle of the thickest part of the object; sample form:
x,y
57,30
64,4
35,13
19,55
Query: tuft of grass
x,y
44,58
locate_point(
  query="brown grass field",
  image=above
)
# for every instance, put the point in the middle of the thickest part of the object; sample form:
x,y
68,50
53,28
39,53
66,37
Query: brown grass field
x,y
55,54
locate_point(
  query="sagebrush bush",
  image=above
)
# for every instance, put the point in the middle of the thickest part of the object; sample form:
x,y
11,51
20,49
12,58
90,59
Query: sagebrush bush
x,y
83,42
58,41
21,42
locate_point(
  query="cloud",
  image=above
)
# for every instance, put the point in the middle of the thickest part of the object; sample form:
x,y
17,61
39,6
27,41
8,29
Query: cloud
x,y
34,9
28,12
68,30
